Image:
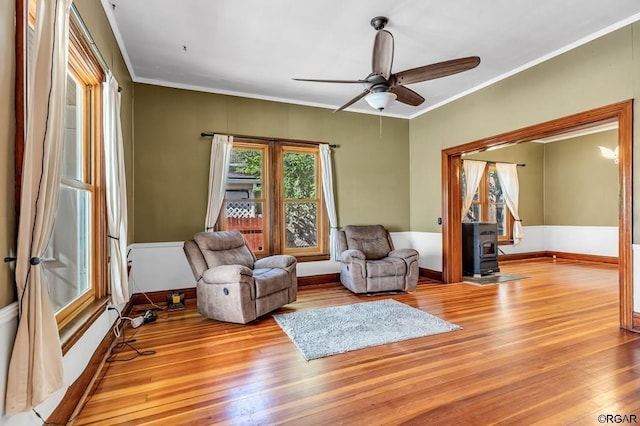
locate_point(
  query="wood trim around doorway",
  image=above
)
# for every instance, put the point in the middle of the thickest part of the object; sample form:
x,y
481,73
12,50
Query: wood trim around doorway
x,y
621,112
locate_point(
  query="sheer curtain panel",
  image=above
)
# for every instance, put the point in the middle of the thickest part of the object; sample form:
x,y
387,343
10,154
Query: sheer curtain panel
x,y
35,369
221,146
116,189
508,175
473,171
329,200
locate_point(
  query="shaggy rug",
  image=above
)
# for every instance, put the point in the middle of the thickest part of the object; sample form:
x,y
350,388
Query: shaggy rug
x,y
328,331
493,279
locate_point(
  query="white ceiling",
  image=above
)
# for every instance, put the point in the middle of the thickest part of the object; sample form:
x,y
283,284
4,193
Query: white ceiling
x,y
253,48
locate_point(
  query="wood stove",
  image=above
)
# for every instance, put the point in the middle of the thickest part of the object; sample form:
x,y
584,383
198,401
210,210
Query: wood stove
x,y
479,248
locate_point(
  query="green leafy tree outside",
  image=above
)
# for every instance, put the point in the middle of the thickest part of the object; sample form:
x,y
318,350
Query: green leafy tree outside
x,y
299,184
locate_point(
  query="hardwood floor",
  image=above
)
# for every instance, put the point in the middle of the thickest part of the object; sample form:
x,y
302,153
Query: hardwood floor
x,y
543,350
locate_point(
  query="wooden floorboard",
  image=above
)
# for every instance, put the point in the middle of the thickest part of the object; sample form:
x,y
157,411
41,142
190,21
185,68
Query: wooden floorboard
x,y
546,349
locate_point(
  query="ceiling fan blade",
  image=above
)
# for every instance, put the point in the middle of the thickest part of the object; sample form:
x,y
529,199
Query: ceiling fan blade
x,y
329,81
382,54
437,70
407,96
353,101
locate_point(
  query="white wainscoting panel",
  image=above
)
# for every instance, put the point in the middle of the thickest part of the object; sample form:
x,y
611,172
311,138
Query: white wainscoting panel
x,y
429,245
8,327
306,269
595,240
159,266
74,361
533,241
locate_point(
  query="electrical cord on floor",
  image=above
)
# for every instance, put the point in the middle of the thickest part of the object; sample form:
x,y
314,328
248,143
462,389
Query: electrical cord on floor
x,y
124,344
116,349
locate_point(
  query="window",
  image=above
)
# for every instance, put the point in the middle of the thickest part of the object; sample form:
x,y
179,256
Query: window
x,y
488,204
274,197
75,258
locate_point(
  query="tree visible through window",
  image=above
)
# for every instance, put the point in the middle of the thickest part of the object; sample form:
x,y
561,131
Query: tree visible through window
x,y
273,196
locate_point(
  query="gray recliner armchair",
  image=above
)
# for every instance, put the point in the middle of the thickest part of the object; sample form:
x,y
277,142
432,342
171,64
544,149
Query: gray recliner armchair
x,y
232,285
370,264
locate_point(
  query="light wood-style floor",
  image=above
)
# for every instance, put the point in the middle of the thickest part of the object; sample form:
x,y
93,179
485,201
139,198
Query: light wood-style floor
x,y
543,350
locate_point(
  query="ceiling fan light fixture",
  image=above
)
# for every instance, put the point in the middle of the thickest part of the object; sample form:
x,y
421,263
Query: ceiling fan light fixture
x,y
380,100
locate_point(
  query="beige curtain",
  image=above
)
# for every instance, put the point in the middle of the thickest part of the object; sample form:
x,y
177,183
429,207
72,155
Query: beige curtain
x,y
473,171
329,200
508,175
221,146
116,189
35,369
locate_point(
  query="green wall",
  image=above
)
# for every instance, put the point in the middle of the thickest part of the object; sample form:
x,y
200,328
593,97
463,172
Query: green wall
x,y
581,187
7,151
530,177
602,72
566,182
171,160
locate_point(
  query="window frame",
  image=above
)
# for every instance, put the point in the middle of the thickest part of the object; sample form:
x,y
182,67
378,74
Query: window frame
x,y
484,204
273,192
84,66
321,220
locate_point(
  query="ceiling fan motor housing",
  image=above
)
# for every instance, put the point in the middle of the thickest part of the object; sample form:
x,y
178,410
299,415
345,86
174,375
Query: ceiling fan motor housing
x,y
379,22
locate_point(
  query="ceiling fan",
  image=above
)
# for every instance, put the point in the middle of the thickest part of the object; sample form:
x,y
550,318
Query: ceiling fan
x,y
382,87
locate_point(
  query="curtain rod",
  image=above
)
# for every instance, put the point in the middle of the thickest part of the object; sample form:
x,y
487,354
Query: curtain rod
x,y
261,138
501,162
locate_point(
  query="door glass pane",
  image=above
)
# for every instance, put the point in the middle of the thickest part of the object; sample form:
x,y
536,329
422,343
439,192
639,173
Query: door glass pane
x,y
301,225
66,260
73,148
244,203
246,217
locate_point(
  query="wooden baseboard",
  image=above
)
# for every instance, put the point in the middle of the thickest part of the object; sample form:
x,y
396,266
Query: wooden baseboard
x,y
636,322
160,296
558,255
319,279
82,388
521,256
431,274
583,257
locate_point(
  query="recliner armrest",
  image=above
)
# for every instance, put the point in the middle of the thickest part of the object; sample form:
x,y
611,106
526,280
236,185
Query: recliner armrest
x,y
348,256
280,261
405,253
227,274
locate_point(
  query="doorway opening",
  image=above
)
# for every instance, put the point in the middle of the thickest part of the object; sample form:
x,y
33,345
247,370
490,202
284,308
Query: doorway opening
x,y
622,113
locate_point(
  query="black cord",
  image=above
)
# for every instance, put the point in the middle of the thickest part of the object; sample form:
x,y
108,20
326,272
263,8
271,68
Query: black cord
x,y
121,346
114,352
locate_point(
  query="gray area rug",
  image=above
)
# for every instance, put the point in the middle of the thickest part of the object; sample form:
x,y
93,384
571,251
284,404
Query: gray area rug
x,y
493,279
328,331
